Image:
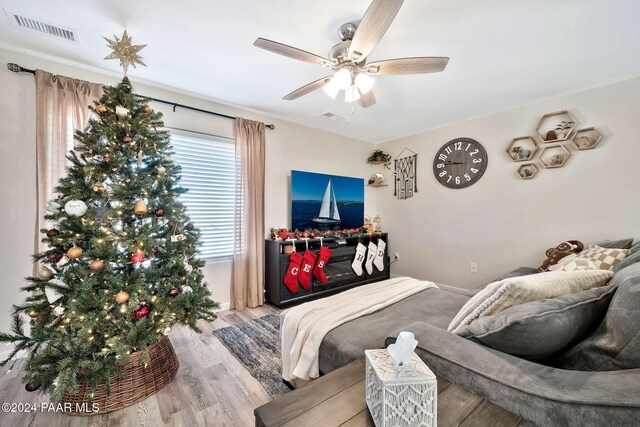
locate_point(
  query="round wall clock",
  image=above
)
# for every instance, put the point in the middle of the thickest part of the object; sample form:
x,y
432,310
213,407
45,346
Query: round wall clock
x,y
460,163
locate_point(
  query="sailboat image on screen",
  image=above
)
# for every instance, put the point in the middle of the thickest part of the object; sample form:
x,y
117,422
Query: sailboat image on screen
x,y
329,210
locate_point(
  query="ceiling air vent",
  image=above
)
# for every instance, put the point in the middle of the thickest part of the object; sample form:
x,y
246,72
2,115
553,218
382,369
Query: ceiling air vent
x,y
34,24
333,117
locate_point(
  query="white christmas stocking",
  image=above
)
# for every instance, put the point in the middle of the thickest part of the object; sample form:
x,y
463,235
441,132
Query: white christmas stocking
x,y
357,261
372,250
379,259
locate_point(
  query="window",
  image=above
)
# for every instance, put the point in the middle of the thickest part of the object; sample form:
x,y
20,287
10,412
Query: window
x,y
208,171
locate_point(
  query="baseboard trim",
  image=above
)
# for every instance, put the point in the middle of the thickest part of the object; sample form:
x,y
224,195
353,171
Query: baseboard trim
x,y
224,306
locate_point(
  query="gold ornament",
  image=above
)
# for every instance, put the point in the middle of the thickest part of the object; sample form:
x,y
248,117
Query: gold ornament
x,y
101,109
96,265
99,188
121,297
45,274
147,109
74,252
125,51
140,207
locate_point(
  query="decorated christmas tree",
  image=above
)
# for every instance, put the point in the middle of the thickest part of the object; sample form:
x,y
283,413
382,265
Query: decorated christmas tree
x,y
121,268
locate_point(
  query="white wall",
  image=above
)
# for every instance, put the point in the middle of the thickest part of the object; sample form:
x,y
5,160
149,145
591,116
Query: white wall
x,y
503,222
289,146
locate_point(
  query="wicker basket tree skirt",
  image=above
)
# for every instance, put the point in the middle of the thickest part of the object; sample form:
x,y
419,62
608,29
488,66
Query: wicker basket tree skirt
x,y
136,383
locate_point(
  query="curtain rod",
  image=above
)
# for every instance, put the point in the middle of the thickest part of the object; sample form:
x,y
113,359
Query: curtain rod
x,y
19,69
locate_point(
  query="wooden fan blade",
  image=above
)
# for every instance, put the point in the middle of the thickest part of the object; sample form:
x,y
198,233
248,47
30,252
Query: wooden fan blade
x,y
374,24
367,99
417,65
307,88
291,52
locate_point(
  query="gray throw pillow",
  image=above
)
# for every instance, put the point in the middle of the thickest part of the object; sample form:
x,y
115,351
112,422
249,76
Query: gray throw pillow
x,y
635,248
615,344
541,328
614,244
631,259
522,271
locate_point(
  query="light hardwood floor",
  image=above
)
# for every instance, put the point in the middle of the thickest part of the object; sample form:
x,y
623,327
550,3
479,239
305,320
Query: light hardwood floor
x,y
212,388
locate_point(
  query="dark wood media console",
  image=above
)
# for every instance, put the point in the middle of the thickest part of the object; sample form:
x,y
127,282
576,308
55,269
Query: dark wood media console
x,y
340,275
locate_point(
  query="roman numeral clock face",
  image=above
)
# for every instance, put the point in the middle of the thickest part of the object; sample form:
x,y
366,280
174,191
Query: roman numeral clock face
x,y
460,163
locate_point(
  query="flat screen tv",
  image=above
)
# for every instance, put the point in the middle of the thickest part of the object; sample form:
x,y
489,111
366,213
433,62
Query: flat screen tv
x,y
326,202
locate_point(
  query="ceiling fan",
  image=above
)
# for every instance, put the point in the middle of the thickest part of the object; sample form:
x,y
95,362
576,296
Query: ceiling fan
x,y
349,58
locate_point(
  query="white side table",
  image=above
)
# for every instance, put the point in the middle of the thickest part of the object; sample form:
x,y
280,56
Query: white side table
x,y
400,396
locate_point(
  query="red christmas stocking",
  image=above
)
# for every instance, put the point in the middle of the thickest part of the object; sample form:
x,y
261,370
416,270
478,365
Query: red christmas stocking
x,y
291,278
323,256
305,269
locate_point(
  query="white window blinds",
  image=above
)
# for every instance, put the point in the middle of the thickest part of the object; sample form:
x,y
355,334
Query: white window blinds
x,y
208,171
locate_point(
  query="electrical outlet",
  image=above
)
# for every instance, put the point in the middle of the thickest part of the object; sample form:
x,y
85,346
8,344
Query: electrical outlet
x,y
473,267
397,255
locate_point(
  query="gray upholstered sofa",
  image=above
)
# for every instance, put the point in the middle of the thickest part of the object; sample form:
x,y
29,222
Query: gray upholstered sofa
x,y
538,392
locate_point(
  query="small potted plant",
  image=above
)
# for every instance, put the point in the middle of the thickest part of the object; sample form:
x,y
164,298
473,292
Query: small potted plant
x,y
380,156
563,128
517,152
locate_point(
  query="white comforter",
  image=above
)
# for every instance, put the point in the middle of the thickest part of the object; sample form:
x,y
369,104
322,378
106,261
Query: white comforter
x,y
303,328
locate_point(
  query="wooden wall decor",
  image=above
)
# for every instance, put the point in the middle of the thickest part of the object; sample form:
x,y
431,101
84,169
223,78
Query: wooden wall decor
x,y
405,173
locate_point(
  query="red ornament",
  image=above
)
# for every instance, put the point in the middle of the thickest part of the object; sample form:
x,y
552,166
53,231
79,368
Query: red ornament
x,y
173,292
344,232
54,258
142,311
126,139
305,235
158,212
312,235
53,232
137,257
189,226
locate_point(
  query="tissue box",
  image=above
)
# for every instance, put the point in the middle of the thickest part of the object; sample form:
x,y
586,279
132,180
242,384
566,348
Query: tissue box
x,y
400,396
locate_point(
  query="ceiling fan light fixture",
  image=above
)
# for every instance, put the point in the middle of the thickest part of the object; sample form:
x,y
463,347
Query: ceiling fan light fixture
x,y
364,82
342,78
331,88
351,94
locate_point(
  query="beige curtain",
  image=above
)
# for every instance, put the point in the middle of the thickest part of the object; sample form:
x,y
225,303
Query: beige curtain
x,y
247,283
61,108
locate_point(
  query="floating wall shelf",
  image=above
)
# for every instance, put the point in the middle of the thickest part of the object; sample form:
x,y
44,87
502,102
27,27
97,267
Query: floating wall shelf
x,y
550,121
587,139
527,144
527,171
554,156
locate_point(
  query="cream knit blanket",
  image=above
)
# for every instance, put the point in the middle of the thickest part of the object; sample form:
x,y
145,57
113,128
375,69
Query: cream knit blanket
x,y
303,328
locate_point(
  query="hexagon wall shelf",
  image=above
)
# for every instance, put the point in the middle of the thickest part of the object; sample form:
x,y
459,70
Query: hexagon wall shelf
x,y
548,128
554,157
528,149
587,139
527,171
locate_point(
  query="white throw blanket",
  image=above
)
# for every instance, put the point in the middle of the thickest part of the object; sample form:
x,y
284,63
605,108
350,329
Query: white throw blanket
x,y
303,328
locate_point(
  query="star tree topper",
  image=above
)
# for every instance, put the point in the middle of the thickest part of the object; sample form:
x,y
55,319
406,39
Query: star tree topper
x,y
125,51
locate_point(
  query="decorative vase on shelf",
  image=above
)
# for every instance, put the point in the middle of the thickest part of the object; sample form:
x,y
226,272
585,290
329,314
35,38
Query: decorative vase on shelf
x,y
551,135
524,154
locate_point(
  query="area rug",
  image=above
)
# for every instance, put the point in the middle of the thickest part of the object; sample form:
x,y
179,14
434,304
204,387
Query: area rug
x,y
256,344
